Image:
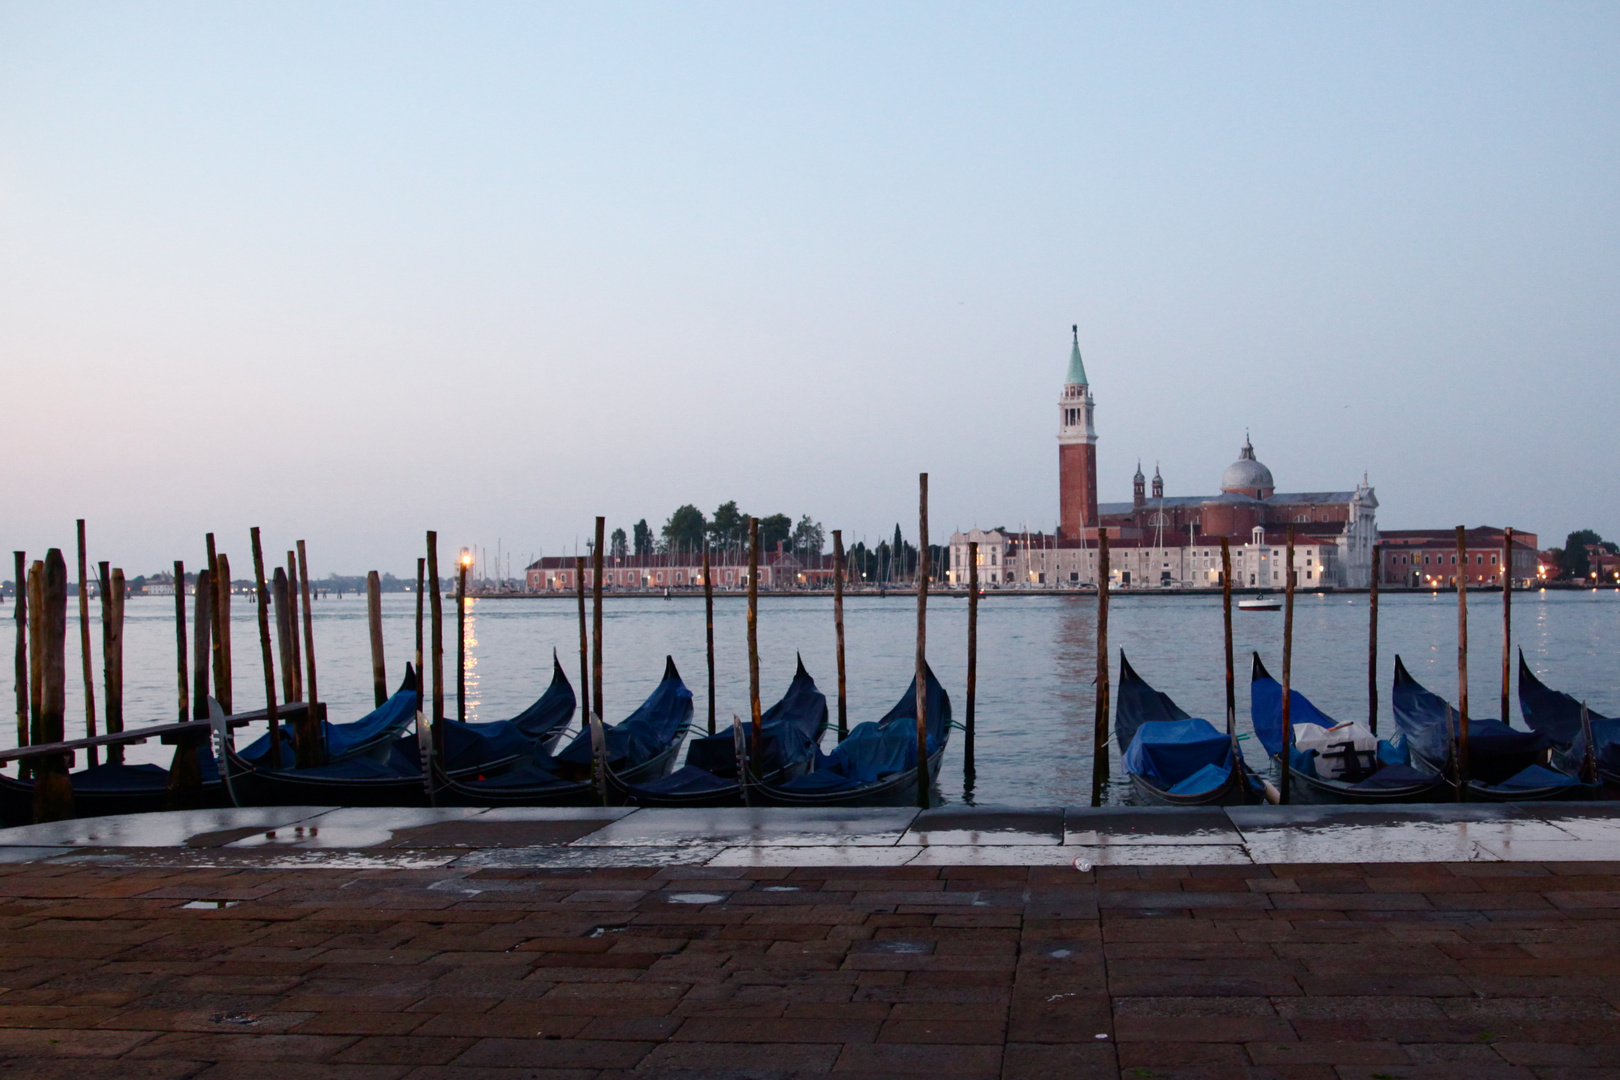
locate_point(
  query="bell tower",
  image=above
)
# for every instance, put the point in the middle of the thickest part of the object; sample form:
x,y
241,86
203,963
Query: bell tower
x,y
1077,450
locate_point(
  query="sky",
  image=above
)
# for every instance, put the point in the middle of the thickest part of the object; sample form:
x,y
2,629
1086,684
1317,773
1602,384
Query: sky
x,y
353,271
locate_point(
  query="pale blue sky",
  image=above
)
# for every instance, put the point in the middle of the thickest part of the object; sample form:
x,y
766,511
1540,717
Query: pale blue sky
x,y
351,271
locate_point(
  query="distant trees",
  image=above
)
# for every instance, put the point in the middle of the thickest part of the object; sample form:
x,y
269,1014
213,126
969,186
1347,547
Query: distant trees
x,y
808,538
644,538
618,544
1574,560
685,530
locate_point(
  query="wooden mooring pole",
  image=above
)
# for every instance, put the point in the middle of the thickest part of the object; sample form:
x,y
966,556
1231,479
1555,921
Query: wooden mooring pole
x,y
53,792
1284,772
421,581
202,629
708,627
838,630
36,647
1099,735
1226,620
1372,640
461,640
379,667
312,691
20,670
84,648
922,642
262,594
1462,663
281,611
596,617
753,640
1507,619
224,681
293,607
584,641
972,663
436,640
112,655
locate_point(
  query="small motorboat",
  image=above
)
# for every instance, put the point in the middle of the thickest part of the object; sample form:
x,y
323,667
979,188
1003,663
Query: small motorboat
x,y
1263,602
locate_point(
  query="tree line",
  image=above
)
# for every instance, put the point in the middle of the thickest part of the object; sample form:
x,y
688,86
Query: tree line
x,y
1575,557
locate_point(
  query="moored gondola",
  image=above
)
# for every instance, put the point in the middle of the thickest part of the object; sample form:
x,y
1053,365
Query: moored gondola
x,y
1333,762
1557,715
390,774
876,764
790,734
1504,764
1175,759
638,749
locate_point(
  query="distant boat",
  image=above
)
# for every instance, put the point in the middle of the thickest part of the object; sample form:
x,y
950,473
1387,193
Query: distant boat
x,y
1260,603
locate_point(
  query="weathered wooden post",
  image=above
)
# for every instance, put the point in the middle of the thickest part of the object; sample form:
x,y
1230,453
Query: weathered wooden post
x,y
202,626
280,609
1372,641
1507,618
185,791
53,791
20,613
84,649
262,595
922,641
1288,671
1099,737
112,654
596,617
36,647
1589,773
753,636
584,640
436,611
421,581
708,627
224,682
1226,620
838,630
972,658
461,640
379,669
293,607
313,695
1463,772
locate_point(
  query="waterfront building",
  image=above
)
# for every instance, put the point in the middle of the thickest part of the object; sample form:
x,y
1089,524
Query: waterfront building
x,y
1156,539
778,569
1427,558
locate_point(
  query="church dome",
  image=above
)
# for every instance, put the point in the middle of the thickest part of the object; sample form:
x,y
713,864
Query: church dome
x,y
1246,474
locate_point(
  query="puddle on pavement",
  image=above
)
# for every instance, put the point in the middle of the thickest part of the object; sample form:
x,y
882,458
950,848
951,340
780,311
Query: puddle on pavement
x,y
209,905
696,898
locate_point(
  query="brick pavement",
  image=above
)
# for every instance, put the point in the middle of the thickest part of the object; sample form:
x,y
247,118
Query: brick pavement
x,y
1382,972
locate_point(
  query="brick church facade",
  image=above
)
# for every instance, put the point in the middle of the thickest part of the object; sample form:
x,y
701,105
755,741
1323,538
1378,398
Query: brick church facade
x,y
1167,540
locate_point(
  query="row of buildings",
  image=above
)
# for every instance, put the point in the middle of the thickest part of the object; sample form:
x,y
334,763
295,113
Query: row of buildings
x,y
1155,540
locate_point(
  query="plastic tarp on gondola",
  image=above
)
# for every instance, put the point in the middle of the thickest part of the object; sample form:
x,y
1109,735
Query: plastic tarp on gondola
x,y
371,732
1183,757
789,733
882,747
642,735
469,745
1558,716
1496,752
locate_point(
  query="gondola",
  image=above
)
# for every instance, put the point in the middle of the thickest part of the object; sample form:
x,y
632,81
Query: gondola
x,y
1175,759
111,788
369,736
1504,764
118,788
390,774
876,764
1333,762
790,736
1558,716
639,748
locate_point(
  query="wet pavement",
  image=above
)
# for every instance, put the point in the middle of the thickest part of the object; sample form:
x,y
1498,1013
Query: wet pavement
x,y
313,836
1263,943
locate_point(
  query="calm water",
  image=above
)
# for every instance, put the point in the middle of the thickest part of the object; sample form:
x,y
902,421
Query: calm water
x,y
1037,659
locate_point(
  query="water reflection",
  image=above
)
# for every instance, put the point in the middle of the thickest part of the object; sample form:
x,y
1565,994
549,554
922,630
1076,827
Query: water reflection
x,y
1037,661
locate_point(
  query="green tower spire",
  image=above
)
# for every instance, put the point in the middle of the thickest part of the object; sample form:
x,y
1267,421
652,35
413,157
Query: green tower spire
x,y
1077,370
